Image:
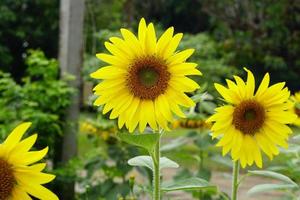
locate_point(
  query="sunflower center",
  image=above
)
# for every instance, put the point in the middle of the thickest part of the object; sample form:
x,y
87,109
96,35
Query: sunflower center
x,y
249,117
7,180
148,77
297,111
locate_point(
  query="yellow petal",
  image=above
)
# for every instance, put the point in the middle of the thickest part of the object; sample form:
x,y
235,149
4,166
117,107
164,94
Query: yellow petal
x,y
38,191
162,104
263,86
142,32
225,93
23,147
184,69
250,84
29,157
131,41
19,193
113,60
164,40
172,46
184,84
180,57
150,43
115,50
15,136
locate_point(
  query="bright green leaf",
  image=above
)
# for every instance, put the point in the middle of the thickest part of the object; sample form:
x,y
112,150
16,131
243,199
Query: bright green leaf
x,y
146,141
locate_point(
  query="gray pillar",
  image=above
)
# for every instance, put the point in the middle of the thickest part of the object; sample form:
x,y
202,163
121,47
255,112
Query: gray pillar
x,y
70,59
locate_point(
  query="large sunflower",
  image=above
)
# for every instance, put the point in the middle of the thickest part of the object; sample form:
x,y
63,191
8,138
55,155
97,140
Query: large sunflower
x,y
19,177
252,122
145,80
296,108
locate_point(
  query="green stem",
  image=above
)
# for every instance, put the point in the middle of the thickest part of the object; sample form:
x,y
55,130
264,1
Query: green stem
x,y
235,175
156,171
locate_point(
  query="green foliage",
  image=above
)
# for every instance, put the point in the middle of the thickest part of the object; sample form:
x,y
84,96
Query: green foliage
x,y
146,141
146,161
261,35
41,99
188,184
211,59
100,15
103,167
286,184
26,24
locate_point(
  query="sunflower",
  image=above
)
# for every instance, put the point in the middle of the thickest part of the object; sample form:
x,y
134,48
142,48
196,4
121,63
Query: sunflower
x,y
296,108
145,81
19,177
251,121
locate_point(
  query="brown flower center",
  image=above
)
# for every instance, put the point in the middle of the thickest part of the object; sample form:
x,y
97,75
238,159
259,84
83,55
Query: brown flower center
x,y
297,111
148,77
7,180
249,117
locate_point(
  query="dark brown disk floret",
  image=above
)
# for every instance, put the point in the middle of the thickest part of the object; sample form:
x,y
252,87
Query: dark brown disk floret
x,y
148,77
7,180
297,111
249,117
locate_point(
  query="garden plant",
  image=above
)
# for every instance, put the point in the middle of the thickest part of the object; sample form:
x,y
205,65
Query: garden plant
x,y
149,100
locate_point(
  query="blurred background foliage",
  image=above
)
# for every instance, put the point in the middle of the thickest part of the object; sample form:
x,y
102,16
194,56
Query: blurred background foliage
x,y
263,35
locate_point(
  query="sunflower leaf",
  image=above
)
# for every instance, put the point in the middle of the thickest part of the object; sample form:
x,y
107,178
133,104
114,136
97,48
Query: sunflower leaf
x,y
269,187
146,161
146,141
273,175
187,184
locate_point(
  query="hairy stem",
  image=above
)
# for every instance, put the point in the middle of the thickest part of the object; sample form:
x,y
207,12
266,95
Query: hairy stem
x,y
156,171
235,175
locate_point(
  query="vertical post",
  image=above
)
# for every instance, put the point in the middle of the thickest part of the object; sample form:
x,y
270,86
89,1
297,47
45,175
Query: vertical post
x,y
70,59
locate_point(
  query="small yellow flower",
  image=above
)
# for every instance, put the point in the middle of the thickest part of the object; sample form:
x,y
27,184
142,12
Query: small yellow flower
x,y
252,122
105,135
296,108
19,176
145,81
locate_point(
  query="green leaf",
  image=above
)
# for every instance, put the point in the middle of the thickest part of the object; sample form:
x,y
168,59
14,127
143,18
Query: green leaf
x,y
225,161
273,175
146,161
174,144
187,184
167,163
146,141
141,161
269,187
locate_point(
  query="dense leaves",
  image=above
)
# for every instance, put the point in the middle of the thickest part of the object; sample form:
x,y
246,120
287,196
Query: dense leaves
x,y
41,99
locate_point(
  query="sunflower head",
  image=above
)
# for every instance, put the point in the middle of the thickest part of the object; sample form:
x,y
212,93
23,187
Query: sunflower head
x,y
252,120
296,108
145,81
19,176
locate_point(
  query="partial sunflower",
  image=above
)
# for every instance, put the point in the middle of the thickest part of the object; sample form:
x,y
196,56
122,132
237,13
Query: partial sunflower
x,y
296,108
20,178
145,80
252,122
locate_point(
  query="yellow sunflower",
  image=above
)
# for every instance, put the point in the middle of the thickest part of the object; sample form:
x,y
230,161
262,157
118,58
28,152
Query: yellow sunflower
x,y
252,121
145,80
296,108
19,177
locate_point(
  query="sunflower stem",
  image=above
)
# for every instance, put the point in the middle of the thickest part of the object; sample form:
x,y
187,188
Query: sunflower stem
x,y
235,175
156,171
